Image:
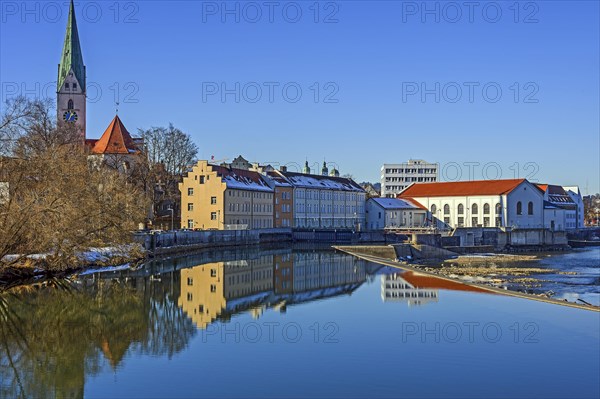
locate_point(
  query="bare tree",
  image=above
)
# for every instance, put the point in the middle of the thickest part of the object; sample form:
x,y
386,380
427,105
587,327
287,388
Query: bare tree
x,y
18,118
169,152
57,203
170,147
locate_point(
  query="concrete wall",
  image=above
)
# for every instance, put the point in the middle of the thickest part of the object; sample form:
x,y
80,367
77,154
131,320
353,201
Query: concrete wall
x,y
178,241
526,237
499,239
435,240
450,241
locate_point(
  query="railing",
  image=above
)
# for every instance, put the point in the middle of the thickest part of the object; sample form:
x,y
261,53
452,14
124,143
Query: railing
x,y
235,227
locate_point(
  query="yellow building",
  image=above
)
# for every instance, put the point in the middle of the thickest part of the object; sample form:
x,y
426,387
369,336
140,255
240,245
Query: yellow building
x,y
202,293
207,289
219,197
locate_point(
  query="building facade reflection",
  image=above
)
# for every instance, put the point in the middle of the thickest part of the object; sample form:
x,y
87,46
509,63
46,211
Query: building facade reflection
x,y
221,289
396,289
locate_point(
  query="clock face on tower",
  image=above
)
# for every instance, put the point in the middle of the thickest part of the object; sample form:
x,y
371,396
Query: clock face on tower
x,y
70,116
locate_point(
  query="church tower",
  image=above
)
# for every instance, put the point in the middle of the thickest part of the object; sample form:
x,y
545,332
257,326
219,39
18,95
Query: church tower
x,y
71,84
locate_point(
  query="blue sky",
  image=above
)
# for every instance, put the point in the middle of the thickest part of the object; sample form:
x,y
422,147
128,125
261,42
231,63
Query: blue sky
x,y
503,87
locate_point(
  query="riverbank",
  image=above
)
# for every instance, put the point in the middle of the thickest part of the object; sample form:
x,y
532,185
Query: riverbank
x,y
21,270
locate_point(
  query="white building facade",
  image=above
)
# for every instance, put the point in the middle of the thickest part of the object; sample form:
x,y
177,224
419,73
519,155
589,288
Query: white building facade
x,y
575,194
327,202
396,177
564,207
512,203
390,213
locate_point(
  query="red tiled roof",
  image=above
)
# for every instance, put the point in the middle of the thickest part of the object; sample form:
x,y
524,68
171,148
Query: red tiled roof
x,y
462,188
115,140
416,203
542,187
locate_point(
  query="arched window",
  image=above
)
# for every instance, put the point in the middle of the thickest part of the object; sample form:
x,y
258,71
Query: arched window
x,y
530,208
433,209
498,209
461,209
474,209
70,104
446,209
519,208
486,209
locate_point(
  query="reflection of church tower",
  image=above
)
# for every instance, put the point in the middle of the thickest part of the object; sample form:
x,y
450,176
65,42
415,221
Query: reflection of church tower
x,y
71,84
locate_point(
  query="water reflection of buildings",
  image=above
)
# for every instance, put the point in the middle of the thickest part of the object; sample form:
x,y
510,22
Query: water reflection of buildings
x,y
418,289
395,288
221,289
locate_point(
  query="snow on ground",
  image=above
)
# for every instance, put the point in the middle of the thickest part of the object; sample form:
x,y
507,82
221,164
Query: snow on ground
x,y
91,256
105,269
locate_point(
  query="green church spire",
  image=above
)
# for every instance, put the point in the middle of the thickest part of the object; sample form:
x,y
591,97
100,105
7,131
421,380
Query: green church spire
x,y
71,55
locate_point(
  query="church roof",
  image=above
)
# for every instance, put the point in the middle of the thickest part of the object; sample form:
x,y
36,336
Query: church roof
x,y
71,58
115,140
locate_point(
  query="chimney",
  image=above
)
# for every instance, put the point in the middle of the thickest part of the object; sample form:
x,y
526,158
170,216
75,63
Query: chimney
x,y
283,168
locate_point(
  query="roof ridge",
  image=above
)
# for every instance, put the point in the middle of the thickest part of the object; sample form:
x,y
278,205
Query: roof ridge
x,y
462,188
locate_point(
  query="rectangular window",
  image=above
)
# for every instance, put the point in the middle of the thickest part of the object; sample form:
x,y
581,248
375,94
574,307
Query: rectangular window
x,y
190,191
461,221
201,179
213,200
190,281
486,222
74,86
189,296
213,216
213,272
190,206
474,221
190,224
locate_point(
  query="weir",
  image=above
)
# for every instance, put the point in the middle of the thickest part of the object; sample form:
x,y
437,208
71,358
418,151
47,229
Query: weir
x,y
367,253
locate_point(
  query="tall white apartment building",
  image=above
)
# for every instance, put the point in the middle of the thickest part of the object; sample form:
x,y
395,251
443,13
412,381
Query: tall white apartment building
x,y
395,177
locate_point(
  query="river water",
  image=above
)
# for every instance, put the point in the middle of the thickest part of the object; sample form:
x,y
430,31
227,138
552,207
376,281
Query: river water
x,y
283,322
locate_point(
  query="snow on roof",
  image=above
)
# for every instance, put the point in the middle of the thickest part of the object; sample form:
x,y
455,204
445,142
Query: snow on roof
x,y
242,179
278,180
322,182
395,203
